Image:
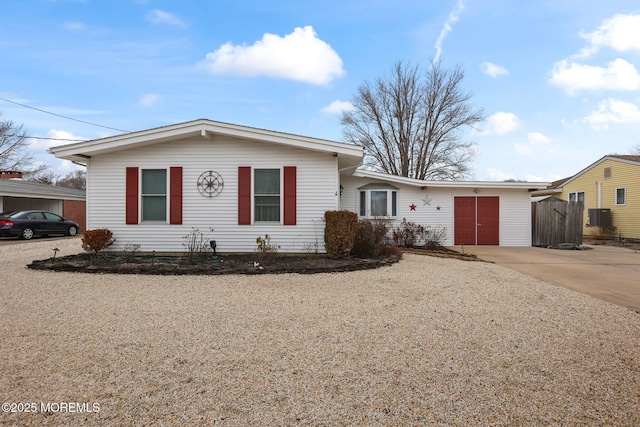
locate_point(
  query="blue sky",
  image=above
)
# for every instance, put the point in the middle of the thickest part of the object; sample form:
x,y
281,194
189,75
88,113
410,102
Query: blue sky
x,y
558,79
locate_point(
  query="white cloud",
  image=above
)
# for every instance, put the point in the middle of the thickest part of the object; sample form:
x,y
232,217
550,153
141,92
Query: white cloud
x,y
161,17
501,123
613,111
534,141
620,32
59,137
493,70
453,17
619,75
300,56
75,26
536,138
498,175
149,100
337,107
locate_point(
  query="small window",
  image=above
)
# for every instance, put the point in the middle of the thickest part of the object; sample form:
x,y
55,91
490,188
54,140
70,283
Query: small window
x,y
621,196
577,196
378,202
266,190
607,172
154,195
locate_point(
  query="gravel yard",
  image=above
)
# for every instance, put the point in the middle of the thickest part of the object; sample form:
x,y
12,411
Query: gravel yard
x,y
425,341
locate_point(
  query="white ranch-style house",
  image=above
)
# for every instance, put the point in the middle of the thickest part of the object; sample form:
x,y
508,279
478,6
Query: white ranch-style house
x,y
234,183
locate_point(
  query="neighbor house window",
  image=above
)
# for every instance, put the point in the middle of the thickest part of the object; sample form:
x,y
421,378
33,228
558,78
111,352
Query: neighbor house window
x,y
154,195
577,196
266,191
621,196
378,200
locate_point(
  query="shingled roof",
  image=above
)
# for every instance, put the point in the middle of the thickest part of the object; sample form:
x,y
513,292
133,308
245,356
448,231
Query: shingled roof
x,y
19,188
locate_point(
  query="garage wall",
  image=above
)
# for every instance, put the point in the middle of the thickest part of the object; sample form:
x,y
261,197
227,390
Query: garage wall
x,y
24,203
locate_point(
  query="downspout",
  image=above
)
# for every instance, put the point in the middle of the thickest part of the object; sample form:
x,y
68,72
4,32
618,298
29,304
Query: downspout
x,y
598,195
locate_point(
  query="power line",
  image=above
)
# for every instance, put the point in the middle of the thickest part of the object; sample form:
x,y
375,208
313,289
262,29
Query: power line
x,y
64,117
44,137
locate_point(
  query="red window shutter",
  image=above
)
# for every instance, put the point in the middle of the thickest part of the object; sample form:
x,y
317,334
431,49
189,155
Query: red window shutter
x,y
244,195
131,204
175,195
289,195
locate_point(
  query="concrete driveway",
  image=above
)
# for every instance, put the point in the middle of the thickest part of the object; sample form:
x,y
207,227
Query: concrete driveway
x,y
609,273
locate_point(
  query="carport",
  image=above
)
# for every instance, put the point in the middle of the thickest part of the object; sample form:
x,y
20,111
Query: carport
x,y
608,273
16,194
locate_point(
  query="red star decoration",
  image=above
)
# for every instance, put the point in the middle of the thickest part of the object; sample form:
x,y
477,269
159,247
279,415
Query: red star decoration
x,y
413,207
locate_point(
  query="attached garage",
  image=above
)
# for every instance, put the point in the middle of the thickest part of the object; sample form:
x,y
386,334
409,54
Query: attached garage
x,y
469,212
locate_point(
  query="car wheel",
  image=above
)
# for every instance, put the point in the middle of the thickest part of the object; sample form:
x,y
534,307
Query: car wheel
x,y
27,233
72,231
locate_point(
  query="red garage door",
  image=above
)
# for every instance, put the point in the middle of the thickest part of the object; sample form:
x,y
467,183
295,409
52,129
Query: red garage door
x,y
476,220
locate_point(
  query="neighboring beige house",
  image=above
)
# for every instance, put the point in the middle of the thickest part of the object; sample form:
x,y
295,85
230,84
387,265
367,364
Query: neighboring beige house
x,y
610,190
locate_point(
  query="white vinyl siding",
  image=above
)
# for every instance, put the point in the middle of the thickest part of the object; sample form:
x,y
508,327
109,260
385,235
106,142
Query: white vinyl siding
x,y
434,208
317,190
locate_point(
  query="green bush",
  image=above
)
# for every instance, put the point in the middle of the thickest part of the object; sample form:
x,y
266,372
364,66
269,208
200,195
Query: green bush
x,y
339,233
94,241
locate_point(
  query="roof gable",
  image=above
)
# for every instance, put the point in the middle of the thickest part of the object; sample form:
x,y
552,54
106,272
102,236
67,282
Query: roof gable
x,y
349,155
630,159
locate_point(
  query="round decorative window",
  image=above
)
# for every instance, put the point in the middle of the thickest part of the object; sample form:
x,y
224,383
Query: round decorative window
x,y
210,184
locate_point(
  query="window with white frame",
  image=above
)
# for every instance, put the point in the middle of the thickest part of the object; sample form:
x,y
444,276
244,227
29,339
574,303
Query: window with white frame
x,y
378,200
154,195
266,190
621,196
577,196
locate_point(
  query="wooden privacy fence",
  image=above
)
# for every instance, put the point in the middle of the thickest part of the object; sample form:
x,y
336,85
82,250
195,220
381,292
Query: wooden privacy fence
x,y
556,221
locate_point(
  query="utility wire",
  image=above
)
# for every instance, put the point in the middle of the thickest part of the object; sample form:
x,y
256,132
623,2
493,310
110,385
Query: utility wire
x,y
64,117
45,137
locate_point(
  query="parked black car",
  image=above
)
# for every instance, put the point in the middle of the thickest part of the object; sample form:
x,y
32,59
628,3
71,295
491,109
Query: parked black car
x,y
26,224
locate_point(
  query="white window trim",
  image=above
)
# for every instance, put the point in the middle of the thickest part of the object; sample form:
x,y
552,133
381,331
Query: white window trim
x,y
584,196
253,196
389,192
625,196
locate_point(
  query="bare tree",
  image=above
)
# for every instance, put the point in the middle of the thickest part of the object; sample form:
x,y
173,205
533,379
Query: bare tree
x,y
14,150
76,179
635,149
411,121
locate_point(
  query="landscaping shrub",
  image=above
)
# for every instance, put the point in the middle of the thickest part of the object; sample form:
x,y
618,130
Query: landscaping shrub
x,y
339,233
408,234
434,237
266,250
94,241
370,237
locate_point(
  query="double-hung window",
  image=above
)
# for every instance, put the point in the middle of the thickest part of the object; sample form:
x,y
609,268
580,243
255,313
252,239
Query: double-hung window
x,y
266,191
378,201
621,196
576,196
154,194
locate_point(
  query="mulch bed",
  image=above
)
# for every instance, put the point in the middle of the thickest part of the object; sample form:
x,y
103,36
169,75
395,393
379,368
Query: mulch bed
x,y
218,265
